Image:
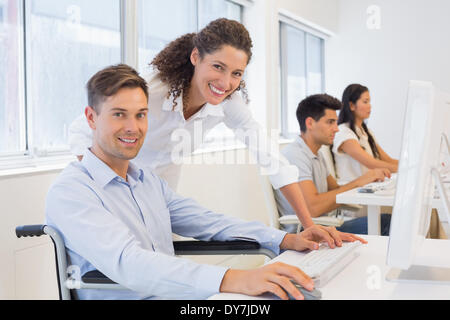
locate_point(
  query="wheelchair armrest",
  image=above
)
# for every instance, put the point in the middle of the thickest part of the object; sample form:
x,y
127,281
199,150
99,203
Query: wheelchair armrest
x,y
36,230
96,276
220,248
182,246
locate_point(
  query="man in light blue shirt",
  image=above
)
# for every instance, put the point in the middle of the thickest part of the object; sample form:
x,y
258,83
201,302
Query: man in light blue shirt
x,y
118,218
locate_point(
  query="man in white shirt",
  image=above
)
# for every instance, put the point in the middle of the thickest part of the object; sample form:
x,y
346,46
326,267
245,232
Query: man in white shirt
x,y
118,218
318,125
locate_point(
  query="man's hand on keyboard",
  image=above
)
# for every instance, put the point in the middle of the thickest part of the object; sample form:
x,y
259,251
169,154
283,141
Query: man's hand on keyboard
x,y
373,175
311,237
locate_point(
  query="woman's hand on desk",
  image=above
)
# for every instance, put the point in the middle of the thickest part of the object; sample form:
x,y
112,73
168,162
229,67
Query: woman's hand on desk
x,y
310,238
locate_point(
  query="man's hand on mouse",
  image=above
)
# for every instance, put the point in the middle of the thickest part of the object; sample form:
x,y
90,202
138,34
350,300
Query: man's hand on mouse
x,y
274,278
310,238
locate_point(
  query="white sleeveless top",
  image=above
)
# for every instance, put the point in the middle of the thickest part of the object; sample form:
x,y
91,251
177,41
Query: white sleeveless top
x,y
347,168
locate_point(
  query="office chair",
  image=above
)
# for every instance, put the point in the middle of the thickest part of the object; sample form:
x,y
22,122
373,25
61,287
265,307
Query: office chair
x,y
96,280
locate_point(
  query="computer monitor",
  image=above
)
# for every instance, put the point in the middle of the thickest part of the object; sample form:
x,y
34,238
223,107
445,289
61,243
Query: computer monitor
x,y
419,159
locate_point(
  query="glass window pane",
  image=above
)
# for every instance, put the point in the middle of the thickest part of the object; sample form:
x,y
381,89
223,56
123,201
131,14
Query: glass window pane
x,y
67,42
12,130
295,77
160,23
301,72
314,60
210,10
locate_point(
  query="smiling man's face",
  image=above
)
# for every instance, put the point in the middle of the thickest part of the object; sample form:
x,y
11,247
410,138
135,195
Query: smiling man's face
x,y
120,126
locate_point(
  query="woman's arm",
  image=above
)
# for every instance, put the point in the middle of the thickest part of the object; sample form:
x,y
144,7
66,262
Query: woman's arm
x,y
354,150
294,196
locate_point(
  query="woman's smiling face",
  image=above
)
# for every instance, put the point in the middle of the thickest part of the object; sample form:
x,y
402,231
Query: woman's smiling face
x,y
219,74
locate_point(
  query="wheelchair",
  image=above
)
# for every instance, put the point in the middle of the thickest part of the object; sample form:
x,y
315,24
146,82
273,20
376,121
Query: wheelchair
x,y
67,278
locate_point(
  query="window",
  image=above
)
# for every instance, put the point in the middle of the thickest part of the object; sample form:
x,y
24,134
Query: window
x,y
302,72
41,88
190,16
59,33
210,10
49,49
160,23
12,138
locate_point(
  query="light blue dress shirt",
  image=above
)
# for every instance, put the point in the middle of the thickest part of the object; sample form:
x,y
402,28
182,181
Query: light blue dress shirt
x,y
124,229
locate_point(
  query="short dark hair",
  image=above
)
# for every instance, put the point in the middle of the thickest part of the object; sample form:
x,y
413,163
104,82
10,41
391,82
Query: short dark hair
x,y
314,106
108,81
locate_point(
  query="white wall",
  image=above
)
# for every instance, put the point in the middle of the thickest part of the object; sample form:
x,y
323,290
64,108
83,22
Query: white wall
x,y
411,44
318,12
26,265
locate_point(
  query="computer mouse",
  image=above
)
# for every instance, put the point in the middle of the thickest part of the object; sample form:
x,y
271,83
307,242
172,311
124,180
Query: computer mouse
x,y
315,294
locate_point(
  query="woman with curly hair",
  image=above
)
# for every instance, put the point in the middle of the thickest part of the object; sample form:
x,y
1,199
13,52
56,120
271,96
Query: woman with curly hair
x,y
195,85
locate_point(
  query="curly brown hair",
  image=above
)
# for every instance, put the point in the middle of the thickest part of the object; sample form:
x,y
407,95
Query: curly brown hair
x,y
174,63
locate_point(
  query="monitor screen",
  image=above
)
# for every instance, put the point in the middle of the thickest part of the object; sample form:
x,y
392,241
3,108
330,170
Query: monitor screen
x,y
422,131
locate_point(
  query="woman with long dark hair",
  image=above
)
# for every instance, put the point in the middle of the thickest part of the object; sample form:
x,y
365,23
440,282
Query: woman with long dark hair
x,y
355,149
195,85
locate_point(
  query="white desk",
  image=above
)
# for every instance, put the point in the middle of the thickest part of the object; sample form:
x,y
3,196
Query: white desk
x,y
364,278
373,203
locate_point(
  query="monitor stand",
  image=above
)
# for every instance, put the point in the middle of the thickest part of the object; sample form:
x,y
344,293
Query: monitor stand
x,y
420,275
426,274
443,196
445,144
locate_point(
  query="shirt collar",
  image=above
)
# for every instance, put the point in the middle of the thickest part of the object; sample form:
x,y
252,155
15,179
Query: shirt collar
x,y
305,147
206,110
103,174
